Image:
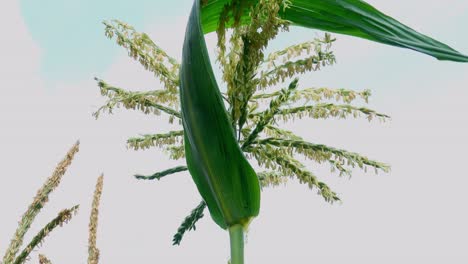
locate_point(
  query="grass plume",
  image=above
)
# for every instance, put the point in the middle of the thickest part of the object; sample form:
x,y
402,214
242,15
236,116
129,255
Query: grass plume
x,y
38,203
63,217
93,251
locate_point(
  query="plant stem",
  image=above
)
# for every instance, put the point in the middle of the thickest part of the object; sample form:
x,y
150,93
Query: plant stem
x,y
236,235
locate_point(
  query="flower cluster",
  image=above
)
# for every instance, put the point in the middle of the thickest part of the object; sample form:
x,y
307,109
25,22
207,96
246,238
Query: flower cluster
x,y
255,101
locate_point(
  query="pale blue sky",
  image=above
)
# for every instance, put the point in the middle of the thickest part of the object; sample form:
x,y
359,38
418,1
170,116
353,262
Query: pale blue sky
x,y
71,34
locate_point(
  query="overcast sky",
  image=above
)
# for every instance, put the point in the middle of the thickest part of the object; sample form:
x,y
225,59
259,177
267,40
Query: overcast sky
x,y
415,214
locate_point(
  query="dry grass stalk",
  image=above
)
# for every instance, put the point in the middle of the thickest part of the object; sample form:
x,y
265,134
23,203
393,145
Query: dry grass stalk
x,y
38,203
93,251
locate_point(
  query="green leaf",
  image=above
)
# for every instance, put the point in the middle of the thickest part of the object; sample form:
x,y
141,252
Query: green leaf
x,y
223,176
349,17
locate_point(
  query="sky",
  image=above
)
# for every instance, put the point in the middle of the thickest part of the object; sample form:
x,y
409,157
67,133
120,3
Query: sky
x,y
415,214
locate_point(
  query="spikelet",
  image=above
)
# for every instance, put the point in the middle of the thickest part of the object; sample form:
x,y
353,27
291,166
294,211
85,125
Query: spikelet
x,y
277,132
44,260
93,251
325,111
320,153
142,48
62,218
175,152
159,175
156,140
320,94
272,74
189,223
268,115
271,178
279,159
147,102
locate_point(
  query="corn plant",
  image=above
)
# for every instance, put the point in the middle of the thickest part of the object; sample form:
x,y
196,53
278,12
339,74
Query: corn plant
x,y
223,135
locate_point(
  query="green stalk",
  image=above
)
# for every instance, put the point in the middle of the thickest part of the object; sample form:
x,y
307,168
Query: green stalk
x,y
236,235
